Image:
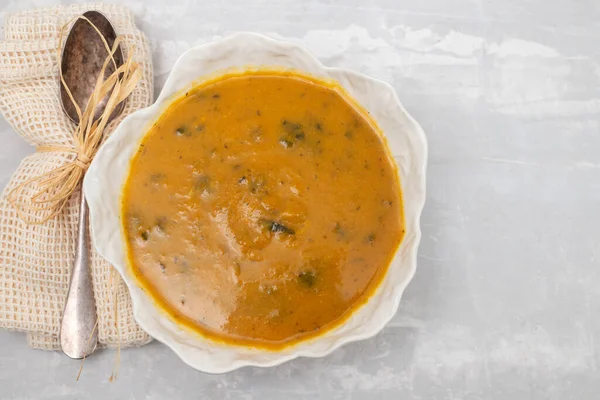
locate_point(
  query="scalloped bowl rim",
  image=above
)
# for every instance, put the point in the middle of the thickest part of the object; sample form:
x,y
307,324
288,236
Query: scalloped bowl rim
x,y
205,354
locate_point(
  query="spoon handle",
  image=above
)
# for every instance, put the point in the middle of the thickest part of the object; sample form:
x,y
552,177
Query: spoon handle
x,y
78,333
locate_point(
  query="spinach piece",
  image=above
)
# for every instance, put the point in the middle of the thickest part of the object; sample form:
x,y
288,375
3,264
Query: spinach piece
x,y
277,227
292,134
135,225
370,238
183,131
307,278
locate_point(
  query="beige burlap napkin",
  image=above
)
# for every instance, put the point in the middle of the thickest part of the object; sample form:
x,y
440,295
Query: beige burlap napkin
x,y
35,260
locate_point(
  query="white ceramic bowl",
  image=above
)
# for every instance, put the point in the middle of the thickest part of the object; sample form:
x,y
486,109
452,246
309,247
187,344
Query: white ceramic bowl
x,y
108,172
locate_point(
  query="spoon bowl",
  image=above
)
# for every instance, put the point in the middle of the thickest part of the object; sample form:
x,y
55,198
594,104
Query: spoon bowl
x,y
83,57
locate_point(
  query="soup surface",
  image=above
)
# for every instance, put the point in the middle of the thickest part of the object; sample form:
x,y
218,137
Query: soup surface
x,y
261,209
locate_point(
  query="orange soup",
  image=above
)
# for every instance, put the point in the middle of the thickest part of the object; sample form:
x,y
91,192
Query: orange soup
x,y
261,209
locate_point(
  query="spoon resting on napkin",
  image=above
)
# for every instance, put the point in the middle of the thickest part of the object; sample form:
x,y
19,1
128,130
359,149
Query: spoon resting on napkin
x,y
35,259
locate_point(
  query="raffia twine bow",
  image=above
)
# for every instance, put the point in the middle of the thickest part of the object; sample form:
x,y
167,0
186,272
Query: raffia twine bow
x,y
43,197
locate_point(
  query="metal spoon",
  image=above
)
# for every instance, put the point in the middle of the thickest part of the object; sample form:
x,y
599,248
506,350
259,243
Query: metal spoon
x,y
82,59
